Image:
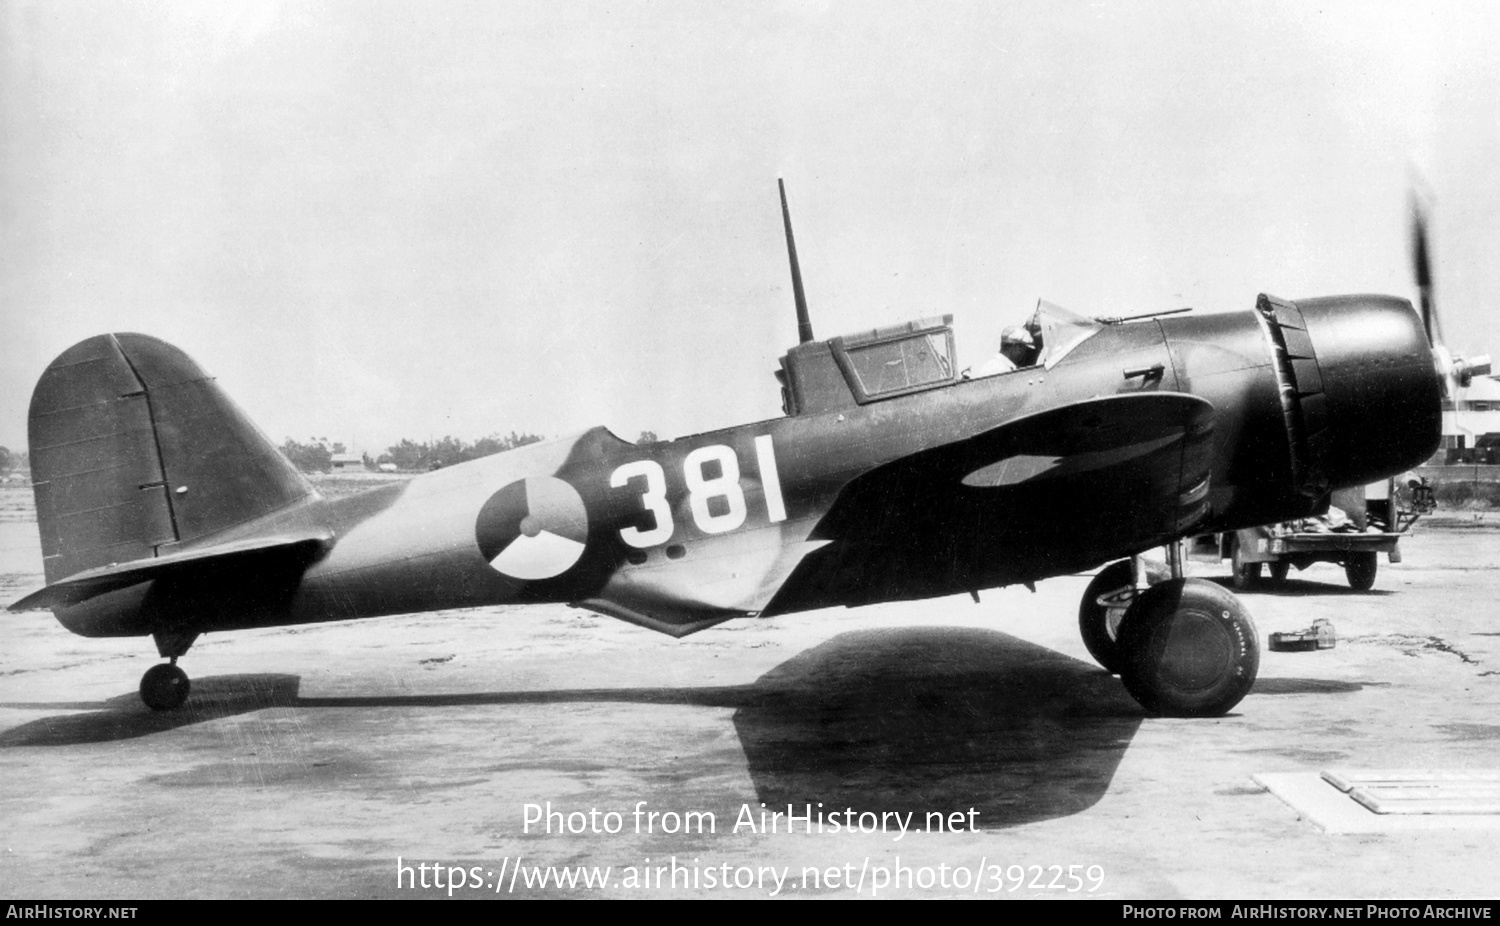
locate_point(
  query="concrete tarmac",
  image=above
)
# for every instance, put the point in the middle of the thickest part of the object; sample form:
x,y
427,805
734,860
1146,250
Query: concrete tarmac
x,y
369,759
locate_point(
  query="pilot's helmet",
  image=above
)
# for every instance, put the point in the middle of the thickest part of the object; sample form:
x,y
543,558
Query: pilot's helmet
x,y
1017,336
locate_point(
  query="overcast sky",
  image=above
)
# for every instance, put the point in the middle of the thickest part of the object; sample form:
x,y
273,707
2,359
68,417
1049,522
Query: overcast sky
x,y
383,220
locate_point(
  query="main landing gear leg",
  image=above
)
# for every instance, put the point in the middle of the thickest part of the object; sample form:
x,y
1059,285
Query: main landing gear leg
x,y
164,687
1111,594
1174,552
1183,647
1104,604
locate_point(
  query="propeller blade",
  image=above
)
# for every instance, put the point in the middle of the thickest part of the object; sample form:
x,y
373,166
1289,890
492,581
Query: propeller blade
x,y
1422,270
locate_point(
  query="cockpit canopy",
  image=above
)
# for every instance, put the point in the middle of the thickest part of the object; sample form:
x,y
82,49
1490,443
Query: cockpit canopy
x,y
867,366
896,360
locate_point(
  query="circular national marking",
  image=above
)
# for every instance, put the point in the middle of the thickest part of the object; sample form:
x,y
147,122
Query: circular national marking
x,y
534,528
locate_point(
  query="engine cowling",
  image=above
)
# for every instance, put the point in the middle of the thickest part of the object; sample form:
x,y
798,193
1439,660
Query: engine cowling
x,y
1310,396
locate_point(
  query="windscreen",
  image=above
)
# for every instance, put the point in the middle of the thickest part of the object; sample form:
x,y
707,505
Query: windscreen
x,y
1061,329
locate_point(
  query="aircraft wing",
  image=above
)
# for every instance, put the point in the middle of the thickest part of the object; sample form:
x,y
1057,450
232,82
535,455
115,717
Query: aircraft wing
x,y
303,544
1044,494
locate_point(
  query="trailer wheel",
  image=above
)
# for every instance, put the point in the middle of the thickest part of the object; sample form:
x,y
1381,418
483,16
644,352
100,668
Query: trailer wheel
x,y
1245,574
1190,649
1360,569
1099,621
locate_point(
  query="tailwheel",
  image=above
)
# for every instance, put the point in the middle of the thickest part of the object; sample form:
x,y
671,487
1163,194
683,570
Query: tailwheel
x,y
1188,649
164,687
1104,603
1279,570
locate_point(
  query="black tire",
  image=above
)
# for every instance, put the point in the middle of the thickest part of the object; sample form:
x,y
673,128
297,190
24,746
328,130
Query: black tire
x,y
1360,569
164,687
1098,624
1189,649
1246,574
1279,571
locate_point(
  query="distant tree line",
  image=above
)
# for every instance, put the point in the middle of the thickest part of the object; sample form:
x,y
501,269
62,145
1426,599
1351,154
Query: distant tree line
x,y
446,451
316,456
11,461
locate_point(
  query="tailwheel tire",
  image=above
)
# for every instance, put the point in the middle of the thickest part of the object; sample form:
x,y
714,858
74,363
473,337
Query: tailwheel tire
x,y
1189,649
1245,574
164,687
1104,603
1279,571
1360,569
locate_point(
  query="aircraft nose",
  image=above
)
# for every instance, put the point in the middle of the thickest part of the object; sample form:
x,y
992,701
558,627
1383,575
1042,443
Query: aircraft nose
x,y
1365,384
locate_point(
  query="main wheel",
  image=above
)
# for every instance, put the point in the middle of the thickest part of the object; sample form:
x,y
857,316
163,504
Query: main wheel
x,y
1103,607
164,687
1188,649
1245,574
1360,569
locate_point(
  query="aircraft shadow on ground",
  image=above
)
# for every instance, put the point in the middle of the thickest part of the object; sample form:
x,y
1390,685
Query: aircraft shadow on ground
x,y
1300,686
919,720
937,720
125,717
1292,587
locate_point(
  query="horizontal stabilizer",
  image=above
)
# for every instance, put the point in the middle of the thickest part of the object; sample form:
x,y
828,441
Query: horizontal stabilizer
x,y
87,584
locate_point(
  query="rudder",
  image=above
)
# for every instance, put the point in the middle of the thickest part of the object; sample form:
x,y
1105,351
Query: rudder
x,y
135,451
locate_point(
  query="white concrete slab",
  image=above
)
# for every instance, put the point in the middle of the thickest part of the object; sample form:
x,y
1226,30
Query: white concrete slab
x,y
1338,812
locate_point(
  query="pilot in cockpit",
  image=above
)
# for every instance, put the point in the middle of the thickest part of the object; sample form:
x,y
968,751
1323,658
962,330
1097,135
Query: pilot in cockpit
x,y
1018,348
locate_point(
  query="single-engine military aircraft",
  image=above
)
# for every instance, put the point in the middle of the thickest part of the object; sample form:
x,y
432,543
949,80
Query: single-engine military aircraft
x,y
164,512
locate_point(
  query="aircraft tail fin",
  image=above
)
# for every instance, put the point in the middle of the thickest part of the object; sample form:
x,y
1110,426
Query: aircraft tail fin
x,y
136,451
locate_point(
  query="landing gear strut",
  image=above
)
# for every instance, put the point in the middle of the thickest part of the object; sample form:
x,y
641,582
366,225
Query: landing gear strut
x,y
1110,595
1183,647
1103,607
165,687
